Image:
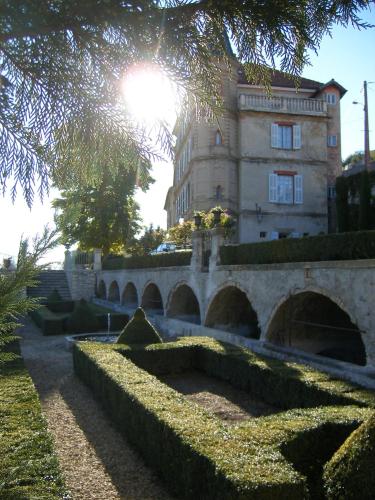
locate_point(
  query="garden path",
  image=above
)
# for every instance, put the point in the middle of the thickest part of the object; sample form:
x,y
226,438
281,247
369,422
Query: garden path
x,y
97,463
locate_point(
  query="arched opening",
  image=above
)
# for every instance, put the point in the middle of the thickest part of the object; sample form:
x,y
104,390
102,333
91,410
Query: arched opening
x,y
184,305
314,323
218,138
151,300
114,292
101,291
231,311
130,296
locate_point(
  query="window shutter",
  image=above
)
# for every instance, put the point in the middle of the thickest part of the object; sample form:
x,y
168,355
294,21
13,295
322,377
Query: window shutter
x,y
297,137
298,189
273,188
274,135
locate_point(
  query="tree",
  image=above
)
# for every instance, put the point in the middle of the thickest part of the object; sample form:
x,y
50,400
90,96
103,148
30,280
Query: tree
x,y
13,301
357,157
103,216
61,65
181,233
150,239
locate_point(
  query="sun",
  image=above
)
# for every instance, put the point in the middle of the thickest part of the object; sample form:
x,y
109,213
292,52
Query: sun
x,y
149,94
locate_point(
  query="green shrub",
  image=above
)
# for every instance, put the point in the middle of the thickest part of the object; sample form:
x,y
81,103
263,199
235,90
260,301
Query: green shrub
x,y
350,472
339,246
82,319
139,330
63,306
49,322
54,296
28,463
181,258
198,455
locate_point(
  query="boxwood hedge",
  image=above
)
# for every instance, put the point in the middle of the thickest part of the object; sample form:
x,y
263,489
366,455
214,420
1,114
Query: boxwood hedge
x,y
28,464
180,258
198,455
340,246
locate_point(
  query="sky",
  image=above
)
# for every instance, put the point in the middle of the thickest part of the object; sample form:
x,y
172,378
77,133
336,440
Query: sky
x,y
347,56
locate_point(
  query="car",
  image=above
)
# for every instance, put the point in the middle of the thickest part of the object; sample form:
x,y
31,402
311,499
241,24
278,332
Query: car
x,y
164,247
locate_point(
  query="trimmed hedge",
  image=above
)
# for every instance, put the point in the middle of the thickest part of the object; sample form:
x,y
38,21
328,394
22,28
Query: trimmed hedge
x,y
82,319
180,258
139,330
349,473
198,455
338,246
56,323
63,306
28,464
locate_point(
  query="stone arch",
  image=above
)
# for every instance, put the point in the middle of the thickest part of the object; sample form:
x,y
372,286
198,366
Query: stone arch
x,y
130,295
152,300
231,310
114,292
317,322
183,304
101,291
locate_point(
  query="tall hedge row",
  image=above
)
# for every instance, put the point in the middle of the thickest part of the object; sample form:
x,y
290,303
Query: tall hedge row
x,y
180,258
338,246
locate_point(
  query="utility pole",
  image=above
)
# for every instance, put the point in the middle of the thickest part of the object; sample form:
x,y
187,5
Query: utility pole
x,y
367,140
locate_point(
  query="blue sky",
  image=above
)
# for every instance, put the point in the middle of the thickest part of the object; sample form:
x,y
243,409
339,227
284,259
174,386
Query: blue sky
x,y
348,57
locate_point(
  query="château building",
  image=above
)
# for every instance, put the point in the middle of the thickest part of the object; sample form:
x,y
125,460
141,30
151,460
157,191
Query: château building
x,y
270,159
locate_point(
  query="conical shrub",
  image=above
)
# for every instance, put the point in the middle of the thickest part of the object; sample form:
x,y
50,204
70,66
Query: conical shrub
x,y
54,296
139,331
350,472
82,319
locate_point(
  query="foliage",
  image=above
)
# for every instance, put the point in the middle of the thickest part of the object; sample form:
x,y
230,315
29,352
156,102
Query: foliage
x,y
339,246
13,301
103,216
148,241
180,258
82,319
180,234
139,331
357,157
350,470
364,202
274,457
29,466
54,296
62,64
355,205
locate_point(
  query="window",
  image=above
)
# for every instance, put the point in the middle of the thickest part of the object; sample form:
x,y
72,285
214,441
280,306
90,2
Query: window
x,y
218,138
218,193
331,192
262,234
331,99
285,136
287,189
332,141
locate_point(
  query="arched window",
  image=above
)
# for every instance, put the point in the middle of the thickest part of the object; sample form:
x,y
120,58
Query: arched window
x,y
218,138
218,193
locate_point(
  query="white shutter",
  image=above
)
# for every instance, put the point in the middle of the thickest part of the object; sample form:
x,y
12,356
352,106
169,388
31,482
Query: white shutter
x,y
297,137
274,235
298,189
272,188
274,135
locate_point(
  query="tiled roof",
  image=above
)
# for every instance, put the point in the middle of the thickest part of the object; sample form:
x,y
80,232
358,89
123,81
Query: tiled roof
x,y
279,79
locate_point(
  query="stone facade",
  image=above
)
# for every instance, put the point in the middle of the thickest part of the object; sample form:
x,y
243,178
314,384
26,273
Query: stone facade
x,y
272,160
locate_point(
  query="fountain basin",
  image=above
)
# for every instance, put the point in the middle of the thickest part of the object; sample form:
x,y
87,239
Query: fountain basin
x,y
102,337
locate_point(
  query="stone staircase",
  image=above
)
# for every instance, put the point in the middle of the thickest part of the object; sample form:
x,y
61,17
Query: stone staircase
x,y
48,281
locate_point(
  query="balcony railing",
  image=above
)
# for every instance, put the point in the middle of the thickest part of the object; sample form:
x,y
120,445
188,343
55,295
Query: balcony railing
x,y
282,104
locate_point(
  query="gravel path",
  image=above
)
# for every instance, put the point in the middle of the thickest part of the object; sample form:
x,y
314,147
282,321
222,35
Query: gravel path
x,y
96,461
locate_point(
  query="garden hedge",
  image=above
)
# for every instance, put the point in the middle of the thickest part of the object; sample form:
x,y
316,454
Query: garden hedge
x,y
338,246
28,464
62,306
200,456
50,323
180,258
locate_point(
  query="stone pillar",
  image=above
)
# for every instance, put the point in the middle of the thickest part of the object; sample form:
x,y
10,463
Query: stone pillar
x,y
197,251
97,259
217,240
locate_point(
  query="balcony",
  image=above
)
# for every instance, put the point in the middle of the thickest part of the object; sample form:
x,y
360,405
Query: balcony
x,y
289,105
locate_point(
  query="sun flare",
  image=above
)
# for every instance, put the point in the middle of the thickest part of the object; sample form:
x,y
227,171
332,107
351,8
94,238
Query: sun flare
x,y
149,94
